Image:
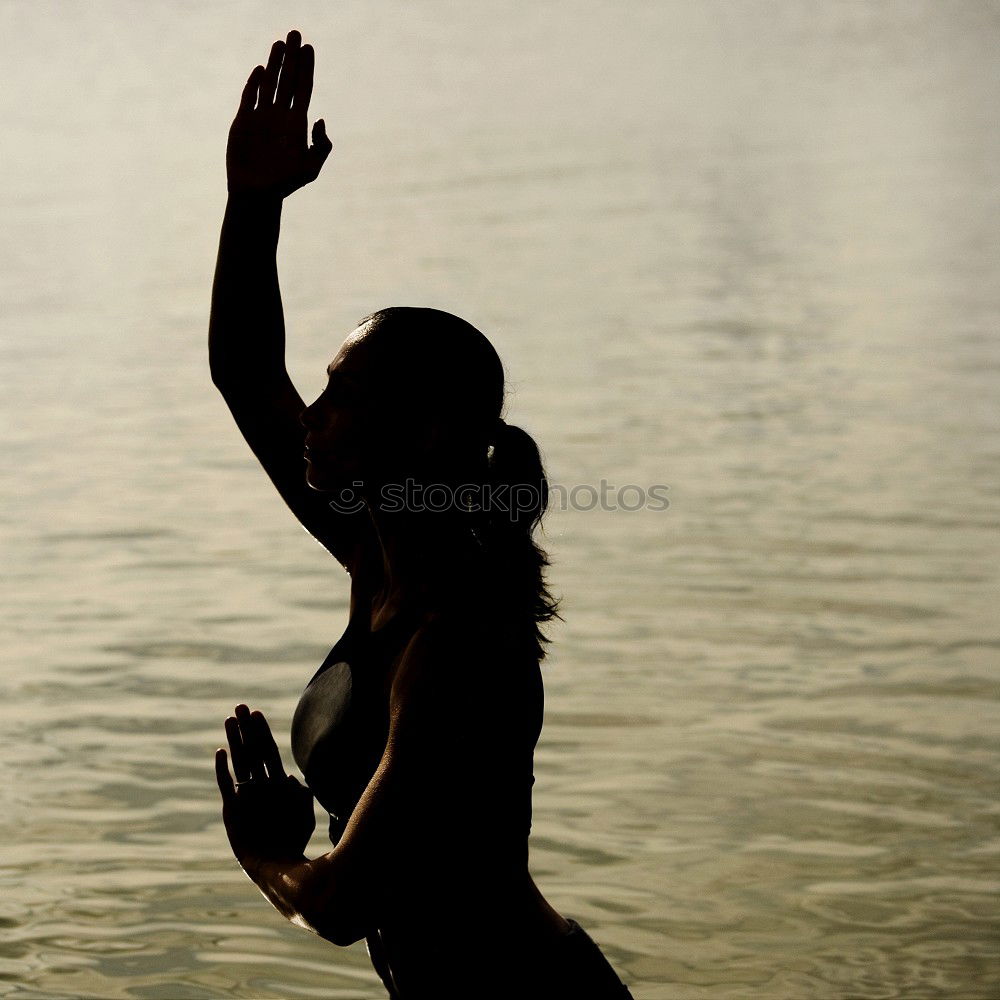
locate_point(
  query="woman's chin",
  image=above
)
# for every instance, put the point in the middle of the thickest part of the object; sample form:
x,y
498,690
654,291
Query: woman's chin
x,y
317,484
314,478
324,482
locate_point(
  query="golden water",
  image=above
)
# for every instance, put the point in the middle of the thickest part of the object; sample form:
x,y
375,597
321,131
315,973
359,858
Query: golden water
x,y
747,250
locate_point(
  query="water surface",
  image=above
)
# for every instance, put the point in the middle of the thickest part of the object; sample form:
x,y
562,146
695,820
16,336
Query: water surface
x,y
746,250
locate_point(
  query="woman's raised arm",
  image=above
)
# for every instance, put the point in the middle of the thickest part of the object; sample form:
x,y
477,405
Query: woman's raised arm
x,y
267,158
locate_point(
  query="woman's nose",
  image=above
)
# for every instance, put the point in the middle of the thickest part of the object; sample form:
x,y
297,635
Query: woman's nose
x,y
306,418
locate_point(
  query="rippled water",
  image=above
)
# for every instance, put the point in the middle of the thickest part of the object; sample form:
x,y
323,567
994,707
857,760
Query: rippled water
x,y
745,250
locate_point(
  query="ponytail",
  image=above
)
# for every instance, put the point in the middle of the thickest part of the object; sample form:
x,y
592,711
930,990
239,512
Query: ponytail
x,y
519,494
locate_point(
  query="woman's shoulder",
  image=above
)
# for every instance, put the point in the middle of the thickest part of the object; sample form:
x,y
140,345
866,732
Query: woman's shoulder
x,y
445,648
466,640
464,670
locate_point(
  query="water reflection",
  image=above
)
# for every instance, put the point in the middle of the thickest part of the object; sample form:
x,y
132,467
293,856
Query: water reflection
x,y
746,250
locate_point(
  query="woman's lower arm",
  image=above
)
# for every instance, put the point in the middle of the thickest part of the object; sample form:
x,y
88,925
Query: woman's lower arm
x,y
309,894
247,329
281,882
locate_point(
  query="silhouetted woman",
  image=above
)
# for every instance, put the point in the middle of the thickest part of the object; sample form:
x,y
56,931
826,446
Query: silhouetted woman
x,y
417,732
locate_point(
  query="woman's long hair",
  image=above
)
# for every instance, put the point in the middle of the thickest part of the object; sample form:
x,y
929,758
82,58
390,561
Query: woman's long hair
x,y
520,498
437,364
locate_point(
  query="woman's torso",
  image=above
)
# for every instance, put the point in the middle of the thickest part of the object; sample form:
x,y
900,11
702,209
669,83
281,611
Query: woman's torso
x,y
476,902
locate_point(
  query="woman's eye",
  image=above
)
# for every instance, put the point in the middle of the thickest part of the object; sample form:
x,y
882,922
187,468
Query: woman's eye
x,y
339,391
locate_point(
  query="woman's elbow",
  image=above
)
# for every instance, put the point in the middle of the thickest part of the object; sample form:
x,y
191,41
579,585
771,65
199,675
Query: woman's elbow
x,y
332,913
229,376
221,371
331,924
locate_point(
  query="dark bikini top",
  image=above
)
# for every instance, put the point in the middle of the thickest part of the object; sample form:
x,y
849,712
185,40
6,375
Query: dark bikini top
x,y
341,724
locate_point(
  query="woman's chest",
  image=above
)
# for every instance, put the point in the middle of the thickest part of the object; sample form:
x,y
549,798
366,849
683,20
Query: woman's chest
x,y
341,722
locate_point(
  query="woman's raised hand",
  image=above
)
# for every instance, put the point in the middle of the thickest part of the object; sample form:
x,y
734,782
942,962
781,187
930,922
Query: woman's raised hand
x,y
269,151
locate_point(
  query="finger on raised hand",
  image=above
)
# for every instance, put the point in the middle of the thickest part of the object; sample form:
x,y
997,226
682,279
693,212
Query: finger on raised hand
x,y
304,78
269,751
249,96
237,751
317,153
223,777
289,71
270,79
253,758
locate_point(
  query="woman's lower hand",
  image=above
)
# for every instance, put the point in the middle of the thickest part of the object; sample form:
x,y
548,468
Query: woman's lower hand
x,y
269,151
268,814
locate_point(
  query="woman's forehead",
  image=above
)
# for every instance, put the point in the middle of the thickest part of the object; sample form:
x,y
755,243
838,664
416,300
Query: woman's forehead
x,y
351,354
376,347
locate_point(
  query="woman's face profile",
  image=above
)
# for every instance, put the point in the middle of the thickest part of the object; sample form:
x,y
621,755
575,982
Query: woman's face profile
x,y
381,416
339,423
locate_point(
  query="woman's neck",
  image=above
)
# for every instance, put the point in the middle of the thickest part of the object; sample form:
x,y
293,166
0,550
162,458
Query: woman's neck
x,y
428,559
